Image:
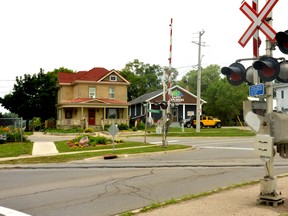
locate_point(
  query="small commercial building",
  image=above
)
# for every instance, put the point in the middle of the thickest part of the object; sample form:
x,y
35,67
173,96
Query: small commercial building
x,y
184,101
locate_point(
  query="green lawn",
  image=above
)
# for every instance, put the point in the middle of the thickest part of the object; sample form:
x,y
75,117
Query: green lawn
x,y
61,158
208,132
15,149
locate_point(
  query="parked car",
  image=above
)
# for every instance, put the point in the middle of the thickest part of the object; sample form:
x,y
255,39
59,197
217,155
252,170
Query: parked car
x,y
205,121
184,121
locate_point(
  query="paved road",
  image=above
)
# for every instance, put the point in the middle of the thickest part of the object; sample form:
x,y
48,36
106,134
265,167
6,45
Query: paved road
x,y
100,187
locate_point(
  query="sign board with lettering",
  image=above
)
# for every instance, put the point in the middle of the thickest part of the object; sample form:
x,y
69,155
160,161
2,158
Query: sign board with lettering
x,y
264,145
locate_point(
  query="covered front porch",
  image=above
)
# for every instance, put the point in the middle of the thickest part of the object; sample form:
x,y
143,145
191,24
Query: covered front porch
x,y
91,117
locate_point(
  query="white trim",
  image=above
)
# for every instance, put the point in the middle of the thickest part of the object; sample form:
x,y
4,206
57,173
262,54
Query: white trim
x,y
113,71
113,78
176,86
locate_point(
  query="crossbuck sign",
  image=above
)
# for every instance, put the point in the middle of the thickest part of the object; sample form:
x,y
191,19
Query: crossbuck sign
x,y
258,22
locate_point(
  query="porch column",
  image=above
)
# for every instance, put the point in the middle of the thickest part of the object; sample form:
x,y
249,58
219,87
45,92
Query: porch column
x,y
184,112
127,116
149,108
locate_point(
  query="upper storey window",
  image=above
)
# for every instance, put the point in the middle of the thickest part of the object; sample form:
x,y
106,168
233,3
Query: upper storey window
x,y
113,78
92,92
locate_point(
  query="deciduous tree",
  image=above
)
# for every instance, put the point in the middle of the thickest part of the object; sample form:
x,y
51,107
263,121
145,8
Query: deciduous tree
x,y
144,78
34,96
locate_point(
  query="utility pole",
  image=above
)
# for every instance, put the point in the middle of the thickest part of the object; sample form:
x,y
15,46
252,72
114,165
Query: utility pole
x,y
198,109
166,113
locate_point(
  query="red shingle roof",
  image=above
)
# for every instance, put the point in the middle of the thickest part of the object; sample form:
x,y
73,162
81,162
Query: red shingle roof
x,y
92,75
96,100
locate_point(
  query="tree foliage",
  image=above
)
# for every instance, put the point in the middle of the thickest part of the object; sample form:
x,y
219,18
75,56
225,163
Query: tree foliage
x,y
223,100
34,95
144,78
209,75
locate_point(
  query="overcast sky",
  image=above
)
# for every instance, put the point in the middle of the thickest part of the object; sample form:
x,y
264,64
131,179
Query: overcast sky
x,y
82,34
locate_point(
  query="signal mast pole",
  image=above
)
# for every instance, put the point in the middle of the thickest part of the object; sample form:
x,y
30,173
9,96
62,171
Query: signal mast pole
x,y
166,113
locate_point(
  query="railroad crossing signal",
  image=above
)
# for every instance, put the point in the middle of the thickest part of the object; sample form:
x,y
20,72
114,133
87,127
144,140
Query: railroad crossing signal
x,y
258,22
282,41
268,69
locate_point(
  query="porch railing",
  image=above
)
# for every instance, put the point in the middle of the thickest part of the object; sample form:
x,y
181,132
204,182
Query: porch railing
x,y
79,123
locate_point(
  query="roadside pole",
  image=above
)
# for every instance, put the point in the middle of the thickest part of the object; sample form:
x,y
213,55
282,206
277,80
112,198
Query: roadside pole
x,y
268,185
198,108
146,115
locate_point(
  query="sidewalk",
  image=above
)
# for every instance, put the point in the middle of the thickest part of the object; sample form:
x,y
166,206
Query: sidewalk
x,y
44,148
241,201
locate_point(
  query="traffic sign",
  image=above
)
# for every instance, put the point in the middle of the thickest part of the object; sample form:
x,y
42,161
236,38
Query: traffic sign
x,y
113,129
255,90
154,111
258,22
159,130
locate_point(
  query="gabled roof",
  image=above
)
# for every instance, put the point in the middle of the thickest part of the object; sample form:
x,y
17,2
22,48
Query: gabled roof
x,y
95,74
149,96
146,97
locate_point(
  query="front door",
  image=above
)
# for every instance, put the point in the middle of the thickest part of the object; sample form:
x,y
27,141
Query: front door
x,y
91,117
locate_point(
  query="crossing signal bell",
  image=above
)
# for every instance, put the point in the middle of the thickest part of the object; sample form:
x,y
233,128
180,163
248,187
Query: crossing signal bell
x,y
235,73
282,41
162,104
268,68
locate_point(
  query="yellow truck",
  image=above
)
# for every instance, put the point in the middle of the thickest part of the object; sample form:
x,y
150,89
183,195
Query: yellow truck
x,y
205,121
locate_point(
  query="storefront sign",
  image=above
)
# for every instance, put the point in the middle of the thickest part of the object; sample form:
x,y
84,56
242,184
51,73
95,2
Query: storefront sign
x,y
177,96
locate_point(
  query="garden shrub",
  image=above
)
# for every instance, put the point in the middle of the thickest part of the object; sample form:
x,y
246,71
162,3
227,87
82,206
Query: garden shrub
x,y
93,141
88,130
35,124
106,127
99,140
134,129
141,126
12,135
123,126
119,141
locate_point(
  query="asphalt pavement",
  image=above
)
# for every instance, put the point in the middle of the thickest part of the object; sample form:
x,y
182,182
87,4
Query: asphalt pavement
x,y
237,202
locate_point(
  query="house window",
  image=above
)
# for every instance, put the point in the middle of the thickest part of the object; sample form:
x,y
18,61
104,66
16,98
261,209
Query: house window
x,y
112,113
92,92
111,92
282,94
113,78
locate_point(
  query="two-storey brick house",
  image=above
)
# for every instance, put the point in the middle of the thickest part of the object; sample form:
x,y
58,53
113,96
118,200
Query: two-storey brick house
x,y
91,98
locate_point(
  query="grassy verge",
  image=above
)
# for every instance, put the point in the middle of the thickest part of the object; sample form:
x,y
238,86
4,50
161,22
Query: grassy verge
x,y
15,149
188,132
205,132
62,158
